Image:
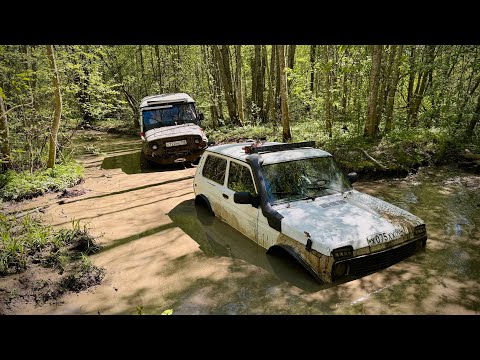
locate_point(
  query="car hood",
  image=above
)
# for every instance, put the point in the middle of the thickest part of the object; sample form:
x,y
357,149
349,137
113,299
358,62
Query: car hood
x,y
172,131
339,220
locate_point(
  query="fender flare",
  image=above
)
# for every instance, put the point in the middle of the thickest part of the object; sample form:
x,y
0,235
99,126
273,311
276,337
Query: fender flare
x,y
298,258
199,199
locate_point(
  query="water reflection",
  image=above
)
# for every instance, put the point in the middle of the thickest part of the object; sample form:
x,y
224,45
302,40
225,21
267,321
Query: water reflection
x,y
217,238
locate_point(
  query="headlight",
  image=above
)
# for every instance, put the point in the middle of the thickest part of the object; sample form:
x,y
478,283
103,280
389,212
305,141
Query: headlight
x,y
343,252
197,141
420,229
154,147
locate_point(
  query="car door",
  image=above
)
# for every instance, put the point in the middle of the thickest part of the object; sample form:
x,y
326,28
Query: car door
x,y
242,217
212,186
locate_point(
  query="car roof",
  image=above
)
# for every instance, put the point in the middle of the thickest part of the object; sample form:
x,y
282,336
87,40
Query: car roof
x,y
237,152
165,98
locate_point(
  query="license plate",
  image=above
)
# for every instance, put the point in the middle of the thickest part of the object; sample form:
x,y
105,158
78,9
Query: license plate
x,y
176,143
384,237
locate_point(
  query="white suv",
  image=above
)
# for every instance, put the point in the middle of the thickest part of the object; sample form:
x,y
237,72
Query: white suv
x,y
295,197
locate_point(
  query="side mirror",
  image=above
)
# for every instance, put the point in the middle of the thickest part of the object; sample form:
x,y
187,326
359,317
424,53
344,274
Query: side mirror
x,y
200,116
244,197
352,177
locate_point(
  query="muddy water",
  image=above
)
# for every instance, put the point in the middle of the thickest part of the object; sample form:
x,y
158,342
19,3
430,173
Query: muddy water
x,y
159,253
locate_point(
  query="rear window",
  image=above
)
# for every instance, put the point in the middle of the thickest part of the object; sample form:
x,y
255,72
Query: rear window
x,y
215,168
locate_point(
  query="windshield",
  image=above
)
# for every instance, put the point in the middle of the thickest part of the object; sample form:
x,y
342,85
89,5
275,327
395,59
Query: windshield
x,y
304,179
169,115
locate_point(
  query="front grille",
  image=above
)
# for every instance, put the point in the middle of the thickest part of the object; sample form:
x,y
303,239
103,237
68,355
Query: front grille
x,y
374,262
180,150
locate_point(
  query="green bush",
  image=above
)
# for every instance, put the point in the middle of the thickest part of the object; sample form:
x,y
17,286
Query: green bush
x,y
24,185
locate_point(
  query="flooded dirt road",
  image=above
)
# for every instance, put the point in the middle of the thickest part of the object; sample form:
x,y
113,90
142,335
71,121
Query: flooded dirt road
x,y
158,254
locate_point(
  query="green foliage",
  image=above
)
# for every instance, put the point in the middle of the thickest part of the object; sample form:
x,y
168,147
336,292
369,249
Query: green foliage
x,y
27,237
21,185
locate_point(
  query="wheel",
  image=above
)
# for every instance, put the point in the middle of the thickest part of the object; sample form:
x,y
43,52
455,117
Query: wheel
x,y
204,210
144,162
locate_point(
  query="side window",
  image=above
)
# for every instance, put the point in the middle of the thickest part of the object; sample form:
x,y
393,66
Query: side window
x,y
240,179
215,168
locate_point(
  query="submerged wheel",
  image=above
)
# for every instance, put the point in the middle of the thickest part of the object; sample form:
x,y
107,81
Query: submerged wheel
x,y
144,162
204,211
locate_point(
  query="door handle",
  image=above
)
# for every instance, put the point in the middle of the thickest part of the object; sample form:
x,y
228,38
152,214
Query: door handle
x,y
225,196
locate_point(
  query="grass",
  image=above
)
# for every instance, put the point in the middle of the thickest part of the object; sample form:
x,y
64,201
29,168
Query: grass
x,y
26,185
27,239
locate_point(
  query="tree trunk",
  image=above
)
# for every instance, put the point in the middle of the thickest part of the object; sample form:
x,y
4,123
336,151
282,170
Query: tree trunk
x,y
474,120
312,66
255,69
283,93
370,129
52,154
4,135
270,107
411,81
211,91
328,95
258,81
215,70
277,89
224,66
142,71
424,80
291,63
392,89
385,87
159,67
261,87
238,83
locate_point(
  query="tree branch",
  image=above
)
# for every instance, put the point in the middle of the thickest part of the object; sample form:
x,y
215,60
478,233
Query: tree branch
x,y
372,159
16,106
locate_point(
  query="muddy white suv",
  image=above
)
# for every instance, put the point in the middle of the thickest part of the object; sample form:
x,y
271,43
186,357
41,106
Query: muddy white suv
x,y
170,129
295,197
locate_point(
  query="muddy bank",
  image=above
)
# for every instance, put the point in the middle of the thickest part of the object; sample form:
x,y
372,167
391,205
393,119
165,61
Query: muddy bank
x,y
49,272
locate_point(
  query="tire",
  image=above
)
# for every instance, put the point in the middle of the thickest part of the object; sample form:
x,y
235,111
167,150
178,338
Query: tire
x,y
204,211
144,162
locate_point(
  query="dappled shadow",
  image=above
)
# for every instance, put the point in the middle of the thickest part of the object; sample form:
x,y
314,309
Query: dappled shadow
x,y
126,208
131,189
132,163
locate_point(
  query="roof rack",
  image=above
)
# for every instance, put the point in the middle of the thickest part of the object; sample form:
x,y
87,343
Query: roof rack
x,y
252,149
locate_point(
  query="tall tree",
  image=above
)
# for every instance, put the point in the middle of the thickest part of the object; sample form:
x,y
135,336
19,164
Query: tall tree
x,y
371,129
411,81
4,134
385,84
223,59
270,106
312,66
291,62
328,95
392,89
159,69
284,93
238,82
424,78
258,80
52,154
